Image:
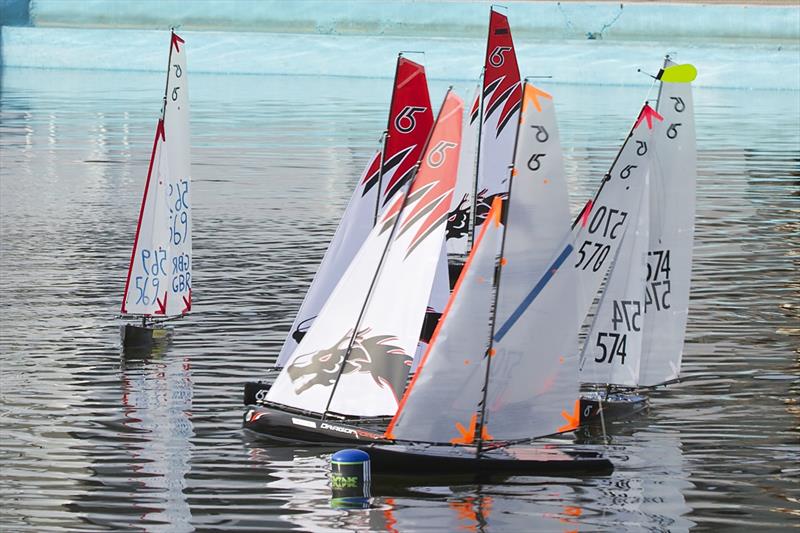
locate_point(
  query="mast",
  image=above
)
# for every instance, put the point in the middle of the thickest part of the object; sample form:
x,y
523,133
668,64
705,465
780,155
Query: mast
x,y
474,210
481,420
379,268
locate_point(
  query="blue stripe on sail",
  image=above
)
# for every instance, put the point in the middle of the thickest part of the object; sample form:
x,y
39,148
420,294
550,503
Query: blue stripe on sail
x,y
533,294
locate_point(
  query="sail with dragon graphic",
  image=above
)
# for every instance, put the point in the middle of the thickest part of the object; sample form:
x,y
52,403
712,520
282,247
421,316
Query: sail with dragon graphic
x,y
409,124
355,359
159,279
636,338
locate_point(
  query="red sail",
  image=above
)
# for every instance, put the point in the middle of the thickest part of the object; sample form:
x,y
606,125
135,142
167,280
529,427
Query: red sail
x,y
501,80
410,123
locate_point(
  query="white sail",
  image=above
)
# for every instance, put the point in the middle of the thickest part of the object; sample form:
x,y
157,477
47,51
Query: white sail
x,y
538,200
440,404
461,210
356,223
533,386
159,279
410,121
440,294
355,358
612,352
672,208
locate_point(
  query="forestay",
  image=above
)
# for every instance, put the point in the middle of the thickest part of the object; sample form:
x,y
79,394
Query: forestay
x,y
440,403
410,121
533,386
159,281
672,208
355,358
500,111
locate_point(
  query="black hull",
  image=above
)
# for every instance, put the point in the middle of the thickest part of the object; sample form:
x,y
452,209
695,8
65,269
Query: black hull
x,y
418,460
135,336
276,424
613,406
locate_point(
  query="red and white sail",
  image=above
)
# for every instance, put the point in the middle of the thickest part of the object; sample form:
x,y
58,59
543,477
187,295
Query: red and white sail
x,y
672,209
355,358
458,223
410,122
502,97
159,281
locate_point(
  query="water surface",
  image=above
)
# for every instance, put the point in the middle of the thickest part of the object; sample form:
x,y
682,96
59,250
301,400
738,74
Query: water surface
x,y
94,440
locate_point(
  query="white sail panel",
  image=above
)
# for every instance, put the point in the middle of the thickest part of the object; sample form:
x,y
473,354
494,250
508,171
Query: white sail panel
x,y
308,376
440,294
148,289
351,233
398,301
533,381
538,200
179,191
159,276
461,209
672,210
374,315
410,121
612,352
441,404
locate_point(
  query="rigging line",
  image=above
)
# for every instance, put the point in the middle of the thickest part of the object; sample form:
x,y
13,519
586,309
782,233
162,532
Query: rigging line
x,y
481,420
169,62
474,207
381,261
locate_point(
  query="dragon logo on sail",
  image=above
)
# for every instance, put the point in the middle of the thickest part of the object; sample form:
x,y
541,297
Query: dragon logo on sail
x,y
386,363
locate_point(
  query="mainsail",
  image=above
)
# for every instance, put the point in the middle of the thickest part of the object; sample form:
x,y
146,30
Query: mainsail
x,y
159,281
672,207
501,97
530,388
355,359
410,122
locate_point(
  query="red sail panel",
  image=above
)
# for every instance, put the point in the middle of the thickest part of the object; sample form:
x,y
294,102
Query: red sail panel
x,y
501,80
410,123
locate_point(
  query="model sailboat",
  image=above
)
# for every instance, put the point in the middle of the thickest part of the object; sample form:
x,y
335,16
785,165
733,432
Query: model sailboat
x,y
159,281
636,339
354,360
503,365
409,124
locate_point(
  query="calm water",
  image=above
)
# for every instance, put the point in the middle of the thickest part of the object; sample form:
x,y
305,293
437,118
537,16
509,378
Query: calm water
x,y
94,440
